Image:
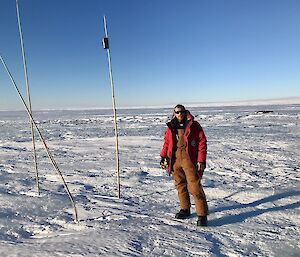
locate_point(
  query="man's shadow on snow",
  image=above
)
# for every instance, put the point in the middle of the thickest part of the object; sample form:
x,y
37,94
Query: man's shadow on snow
x,y
240,217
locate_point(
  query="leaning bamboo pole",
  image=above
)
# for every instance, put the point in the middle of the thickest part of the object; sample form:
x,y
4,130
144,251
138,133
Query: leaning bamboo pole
x,y
106,46
28,95
42,139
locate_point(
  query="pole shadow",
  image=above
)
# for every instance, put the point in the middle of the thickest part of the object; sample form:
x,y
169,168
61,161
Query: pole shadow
x,y
240,217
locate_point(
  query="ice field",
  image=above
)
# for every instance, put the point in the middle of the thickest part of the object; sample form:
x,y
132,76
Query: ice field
x,y
252,184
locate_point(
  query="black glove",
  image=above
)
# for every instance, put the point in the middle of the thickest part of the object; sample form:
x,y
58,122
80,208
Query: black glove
x,y
164,162
200,168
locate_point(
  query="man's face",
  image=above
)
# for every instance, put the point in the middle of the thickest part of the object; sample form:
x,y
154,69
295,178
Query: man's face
x,y
179,114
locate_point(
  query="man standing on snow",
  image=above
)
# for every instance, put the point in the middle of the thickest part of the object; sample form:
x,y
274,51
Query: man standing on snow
x,y
184,154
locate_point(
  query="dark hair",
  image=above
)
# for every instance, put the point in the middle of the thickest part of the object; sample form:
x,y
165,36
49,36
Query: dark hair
x,y
180,106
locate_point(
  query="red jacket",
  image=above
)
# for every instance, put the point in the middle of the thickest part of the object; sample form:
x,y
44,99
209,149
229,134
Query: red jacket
x,y
194,138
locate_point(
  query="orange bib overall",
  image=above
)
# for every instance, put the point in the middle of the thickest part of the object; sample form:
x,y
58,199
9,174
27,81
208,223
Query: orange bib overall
x,y
186,179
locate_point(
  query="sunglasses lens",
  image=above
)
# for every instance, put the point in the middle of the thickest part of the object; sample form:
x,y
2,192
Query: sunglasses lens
x,y
177,112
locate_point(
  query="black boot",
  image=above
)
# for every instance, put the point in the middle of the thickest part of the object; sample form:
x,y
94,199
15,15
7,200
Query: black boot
x,y
202,221
183,214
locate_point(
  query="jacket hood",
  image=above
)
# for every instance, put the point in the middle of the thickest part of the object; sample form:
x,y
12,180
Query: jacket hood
x,y
189,117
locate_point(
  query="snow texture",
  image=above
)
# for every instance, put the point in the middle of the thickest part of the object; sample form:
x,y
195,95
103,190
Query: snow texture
x,y
251,183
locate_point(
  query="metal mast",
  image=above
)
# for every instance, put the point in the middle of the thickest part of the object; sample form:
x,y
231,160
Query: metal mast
x,y
29,99
106,46
51,158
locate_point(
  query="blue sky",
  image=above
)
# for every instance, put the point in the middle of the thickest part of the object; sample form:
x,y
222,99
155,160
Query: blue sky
x,y
163,51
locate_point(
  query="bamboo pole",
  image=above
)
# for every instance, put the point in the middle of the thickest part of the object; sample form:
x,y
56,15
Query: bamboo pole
x,y
28,95
105,45
42,139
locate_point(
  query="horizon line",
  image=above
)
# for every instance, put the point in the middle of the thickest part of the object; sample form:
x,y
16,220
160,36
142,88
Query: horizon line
x,y
226,103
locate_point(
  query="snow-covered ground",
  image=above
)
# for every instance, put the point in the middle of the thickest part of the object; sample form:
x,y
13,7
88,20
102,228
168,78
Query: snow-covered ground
x,y
252,185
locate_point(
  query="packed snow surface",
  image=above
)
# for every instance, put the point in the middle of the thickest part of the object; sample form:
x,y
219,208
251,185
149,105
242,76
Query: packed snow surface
x,y
251,182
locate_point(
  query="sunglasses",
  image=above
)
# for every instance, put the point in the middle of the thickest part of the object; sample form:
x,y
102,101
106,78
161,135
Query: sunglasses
x,y
177,112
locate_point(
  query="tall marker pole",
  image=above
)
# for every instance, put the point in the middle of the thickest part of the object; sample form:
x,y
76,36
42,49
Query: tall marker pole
x,y
42,140
106,46
29,99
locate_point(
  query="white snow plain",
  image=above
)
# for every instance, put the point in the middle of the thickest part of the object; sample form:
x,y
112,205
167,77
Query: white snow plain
x,y
251,183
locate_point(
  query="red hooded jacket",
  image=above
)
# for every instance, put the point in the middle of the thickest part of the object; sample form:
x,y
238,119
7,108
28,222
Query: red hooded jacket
x,y
194,138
